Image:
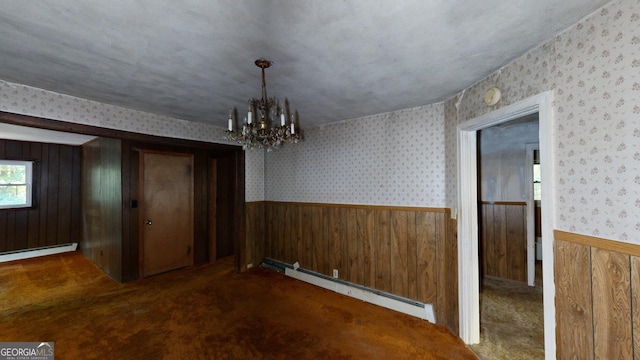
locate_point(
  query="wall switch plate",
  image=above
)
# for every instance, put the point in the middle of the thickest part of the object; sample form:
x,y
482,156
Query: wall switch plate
x,y
335,273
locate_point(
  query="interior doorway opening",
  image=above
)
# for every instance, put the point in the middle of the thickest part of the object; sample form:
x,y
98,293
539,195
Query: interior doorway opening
x,y
468,244
511,303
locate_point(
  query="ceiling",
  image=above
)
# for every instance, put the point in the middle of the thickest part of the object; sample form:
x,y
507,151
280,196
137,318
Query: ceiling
x,y
333,59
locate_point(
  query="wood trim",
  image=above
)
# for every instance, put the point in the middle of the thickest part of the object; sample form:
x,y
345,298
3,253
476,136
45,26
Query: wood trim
x,y
57,125
518,203
358,206
596,242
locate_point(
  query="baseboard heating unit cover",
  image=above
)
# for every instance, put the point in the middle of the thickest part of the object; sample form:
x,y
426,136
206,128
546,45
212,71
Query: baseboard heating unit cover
x,y
31,253
372,296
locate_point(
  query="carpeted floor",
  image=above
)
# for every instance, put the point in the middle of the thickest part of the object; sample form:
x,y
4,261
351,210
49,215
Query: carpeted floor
x,y
206,312
511,321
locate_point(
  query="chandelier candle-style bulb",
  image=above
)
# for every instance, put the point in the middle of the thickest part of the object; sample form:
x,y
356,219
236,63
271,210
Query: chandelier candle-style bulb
x,y
263,131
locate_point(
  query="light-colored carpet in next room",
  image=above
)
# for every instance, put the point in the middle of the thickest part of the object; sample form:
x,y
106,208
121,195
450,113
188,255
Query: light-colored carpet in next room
x,y
511,321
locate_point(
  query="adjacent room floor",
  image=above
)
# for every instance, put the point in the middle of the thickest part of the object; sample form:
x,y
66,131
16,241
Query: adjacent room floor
x,y
511,320
206,312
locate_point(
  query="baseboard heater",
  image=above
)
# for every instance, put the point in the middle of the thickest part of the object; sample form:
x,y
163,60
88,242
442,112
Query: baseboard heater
x,y
372,296
42,251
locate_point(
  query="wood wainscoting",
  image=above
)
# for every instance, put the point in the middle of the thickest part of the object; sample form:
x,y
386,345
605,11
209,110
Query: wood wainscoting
x,y
503,234
406,251
597,298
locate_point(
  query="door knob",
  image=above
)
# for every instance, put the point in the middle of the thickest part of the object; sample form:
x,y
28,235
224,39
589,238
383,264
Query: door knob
x,y
148,222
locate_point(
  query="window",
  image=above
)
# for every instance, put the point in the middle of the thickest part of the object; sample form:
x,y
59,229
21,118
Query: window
x,y
537,186
15,184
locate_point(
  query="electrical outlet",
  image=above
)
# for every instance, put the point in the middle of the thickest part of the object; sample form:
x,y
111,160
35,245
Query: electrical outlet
x,y
249,266
335,273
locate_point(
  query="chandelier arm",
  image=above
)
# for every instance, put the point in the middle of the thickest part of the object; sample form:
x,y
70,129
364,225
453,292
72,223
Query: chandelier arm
x,y
261,133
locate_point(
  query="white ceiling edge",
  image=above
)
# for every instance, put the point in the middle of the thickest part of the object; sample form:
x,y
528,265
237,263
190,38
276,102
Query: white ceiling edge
x,y
23,133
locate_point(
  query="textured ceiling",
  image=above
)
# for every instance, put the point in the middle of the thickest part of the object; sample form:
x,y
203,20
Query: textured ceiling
x,y
333,59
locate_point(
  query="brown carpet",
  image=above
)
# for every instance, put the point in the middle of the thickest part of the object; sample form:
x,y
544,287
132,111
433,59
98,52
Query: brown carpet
x,y
206,312
511,321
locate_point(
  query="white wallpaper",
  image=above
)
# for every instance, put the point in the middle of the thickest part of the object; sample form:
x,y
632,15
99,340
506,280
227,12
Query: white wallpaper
x,y
408,157
394,158
594,69
451,152
254,175
27,100
598,124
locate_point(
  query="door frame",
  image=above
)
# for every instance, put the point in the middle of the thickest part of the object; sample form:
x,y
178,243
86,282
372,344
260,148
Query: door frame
x,y
468,259
531,216
142,206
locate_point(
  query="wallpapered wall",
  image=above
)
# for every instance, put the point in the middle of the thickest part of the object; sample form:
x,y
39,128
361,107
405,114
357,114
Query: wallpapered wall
x,y
408,157
394,158
27,100
594,69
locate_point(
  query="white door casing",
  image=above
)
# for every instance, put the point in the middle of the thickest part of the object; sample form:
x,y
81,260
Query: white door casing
x,y
468,260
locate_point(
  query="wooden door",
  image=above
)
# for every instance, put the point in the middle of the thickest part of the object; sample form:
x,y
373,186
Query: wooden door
x,y
167,212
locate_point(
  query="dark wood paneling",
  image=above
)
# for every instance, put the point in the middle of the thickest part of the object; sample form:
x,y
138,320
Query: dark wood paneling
x,y
43,195
399,248
46,201
229,222
383,250
354,250
426,257
504,240
516,241
442,267
410,252
336,251
255,232
102,205
412,256
53,196
452,318
54,217
130,213
366,235
226,200
65,179
306,257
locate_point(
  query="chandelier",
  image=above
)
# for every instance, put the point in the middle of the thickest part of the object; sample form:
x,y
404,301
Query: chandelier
x,y
261,131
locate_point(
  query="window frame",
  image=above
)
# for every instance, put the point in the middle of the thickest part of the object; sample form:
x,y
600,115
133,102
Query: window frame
x,y
28,183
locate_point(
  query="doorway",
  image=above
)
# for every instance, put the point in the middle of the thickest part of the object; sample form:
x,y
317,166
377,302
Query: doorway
x,y
166,211
468,259
511,306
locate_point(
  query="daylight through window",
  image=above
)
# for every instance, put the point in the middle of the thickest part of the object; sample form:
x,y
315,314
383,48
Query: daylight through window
x,y
15,184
